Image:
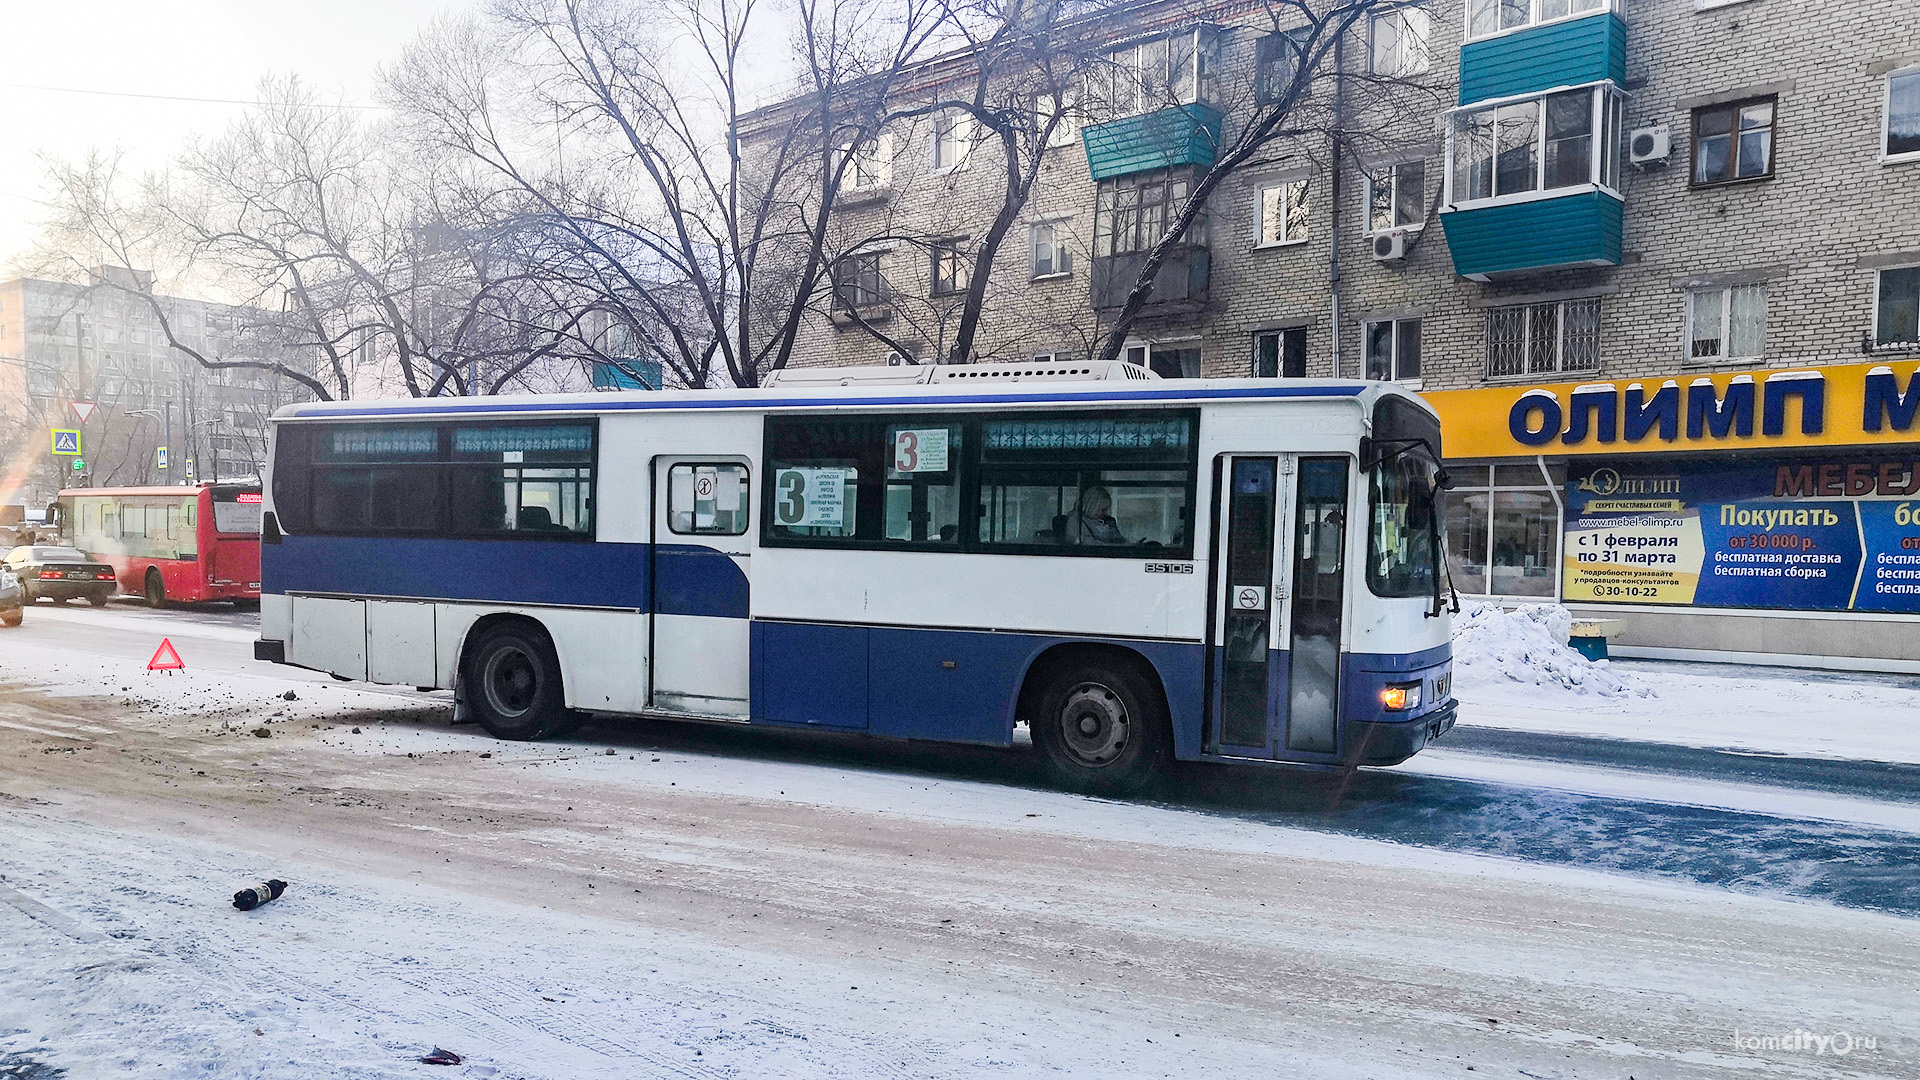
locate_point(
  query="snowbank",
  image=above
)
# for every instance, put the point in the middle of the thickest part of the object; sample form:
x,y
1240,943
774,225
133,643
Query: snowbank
x,y
1494,647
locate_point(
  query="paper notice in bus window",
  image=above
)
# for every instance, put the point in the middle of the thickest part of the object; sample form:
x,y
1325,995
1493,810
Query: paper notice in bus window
x,y
726,492
682,494
918,450
810,498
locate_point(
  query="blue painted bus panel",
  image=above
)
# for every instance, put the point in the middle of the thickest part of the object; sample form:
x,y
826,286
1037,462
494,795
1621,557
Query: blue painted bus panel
x,y
1364,675
809,673
1567,53
698,581
913,695
650,402
693,580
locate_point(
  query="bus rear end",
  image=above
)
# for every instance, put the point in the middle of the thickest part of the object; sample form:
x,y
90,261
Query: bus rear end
x,y
230,542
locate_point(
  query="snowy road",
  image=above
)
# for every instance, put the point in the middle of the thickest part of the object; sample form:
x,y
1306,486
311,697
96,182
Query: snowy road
x,y
1526,899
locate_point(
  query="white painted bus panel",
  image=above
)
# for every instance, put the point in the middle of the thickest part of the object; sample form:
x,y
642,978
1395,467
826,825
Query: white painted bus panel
x,y
400,647
702,665
329,635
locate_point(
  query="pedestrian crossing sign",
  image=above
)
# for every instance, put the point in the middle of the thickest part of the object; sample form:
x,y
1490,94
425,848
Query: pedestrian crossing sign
x,y
66,441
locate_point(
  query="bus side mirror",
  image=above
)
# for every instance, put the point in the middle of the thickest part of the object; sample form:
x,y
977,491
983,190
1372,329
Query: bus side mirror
x,y
269,528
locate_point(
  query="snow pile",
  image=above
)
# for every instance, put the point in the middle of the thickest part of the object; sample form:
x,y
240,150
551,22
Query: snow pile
x,y
1495,647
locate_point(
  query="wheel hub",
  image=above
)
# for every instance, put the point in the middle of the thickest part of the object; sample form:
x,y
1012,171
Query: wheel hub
x,y
510,681
1094,724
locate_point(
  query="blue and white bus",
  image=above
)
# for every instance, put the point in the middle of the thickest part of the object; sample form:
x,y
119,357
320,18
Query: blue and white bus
x,y
1136,569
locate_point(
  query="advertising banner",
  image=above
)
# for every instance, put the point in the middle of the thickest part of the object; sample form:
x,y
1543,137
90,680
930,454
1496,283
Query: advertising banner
x,y
1809,534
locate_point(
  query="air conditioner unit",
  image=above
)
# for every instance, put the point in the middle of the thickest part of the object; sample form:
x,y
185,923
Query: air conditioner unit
x,y
1649,146
1390,246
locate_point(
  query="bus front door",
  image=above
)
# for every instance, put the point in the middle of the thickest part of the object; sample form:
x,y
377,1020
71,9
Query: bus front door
x,y
1278,591
700,549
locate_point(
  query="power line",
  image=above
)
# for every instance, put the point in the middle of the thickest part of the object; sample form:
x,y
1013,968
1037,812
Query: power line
x,y
176,97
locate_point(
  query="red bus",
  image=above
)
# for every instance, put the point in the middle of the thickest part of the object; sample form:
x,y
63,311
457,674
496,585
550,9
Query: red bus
x,y
185,544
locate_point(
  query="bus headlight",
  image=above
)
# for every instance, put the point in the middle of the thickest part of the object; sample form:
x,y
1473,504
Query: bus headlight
x,y
1400,697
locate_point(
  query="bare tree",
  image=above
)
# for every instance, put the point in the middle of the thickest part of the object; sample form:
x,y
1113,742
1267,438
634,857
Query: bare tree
x,y
623,157
1015,80
1304,97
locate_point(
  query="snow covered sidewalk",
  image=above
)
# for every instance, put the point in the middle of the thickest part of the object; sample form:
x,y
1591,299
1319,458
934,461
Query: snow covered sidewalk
x,y
1513,670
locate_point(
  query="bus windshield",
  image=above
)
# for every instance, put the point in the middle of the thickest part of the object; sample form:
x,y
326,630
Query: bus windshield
x,y
1401,539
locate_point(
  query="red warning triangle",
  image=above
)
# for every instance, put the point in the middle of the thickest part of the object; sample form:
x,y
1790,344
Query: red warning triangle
x,y
165,658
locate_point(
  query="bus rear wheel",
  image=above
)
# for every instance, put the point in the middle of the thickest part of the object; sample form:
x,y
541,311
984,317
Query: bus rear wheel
x,y
1101,729
156,589
510,680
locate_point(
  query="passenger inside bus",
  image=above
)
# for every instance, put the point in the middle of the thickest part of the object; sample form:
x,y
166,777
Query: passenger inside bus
x,y
1093,522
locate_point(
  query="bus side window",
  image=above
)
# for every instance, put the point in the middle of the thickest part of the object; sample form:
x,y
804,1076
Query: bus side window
x,y
707,499
1081,485
110,521
923,482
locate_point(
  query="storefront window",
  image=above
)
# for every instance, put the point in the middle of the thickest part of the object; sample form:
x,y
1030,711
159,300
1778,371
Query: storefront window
x,y
1503,529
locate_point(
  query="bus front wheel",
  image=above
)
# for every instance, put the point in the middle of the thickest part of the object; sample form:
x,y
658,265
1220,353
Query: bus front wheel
x,y
510,679
1101,729
156,588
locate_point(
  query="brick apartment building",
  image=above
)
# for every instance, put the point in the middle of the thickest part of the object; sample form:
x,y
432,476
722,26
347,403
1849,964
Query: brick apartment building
x,y
1657,263
62,342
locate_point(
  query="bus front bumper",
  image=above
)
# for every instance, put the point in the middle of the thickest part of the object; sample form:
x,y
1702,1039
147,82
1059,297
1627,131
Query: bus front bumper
x,y
1392,742
270,650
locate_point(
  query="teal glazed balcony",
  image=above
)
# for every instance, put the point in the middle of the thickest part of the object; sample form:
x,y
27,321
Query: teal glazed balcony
x,y
1582,228
1182,135
1539,58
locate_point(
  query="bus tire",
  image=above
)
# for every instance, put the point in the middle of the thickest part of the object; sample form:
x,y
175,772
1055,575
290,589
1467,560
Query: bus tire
x,y
1101,729
511,683
156,588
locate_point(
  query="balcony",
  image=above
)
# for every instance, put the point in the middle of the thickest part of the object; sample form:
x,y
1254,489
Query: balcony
x,y
1580,228
1588,49
1181,285
1181,135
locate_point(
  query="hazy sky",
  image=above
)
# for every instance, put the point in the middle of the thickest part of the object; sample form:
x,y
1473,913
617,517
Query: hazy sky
x,y
196,49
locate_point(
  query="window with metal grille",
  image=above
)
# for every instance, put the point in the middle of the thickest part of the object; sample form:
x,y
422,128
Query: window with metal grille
x,y
1545,338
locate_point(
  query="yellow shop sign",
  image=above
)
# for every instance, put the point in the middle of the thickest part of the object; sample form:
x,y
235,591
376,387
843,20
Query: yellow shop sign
x,y
1842,405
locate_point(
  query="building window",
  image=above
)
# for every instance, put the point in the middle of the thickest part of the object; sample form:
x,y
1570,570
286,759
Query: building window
x,y
869,164
952,138
1275,59
1393,350
1134,212
1180,360
1726,323
1067,108
1052,257
949,274
1896,309
1733,142
1537,339
1397,198
1157,74
1283,213
1503,529
1487,17
857,282
1903,116
1557,141
1280,354
1400,42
